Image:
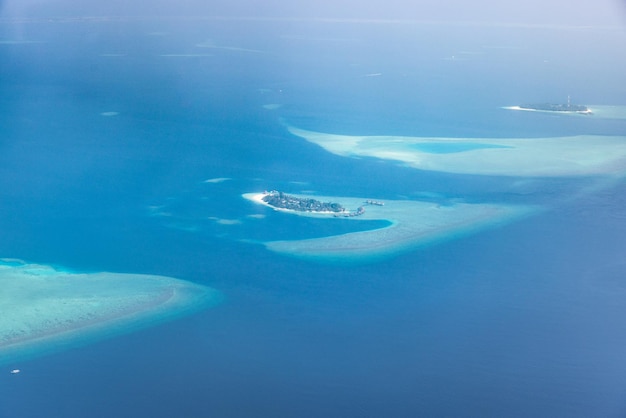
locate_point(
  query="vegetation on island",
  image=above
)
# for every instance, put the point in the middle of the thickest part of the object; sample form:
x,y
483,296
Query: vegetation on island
x,y
284,201
550,107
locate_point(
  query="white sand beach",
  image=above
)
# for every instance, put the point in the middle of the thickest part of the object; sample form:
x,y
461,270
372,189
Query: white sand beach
x,y
258,198
412,224
589,111
597,111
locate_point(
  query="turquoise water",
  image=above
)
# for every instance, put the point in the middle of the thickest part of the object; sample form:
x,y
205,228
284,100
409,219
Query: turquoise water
x,y
452,147
110,129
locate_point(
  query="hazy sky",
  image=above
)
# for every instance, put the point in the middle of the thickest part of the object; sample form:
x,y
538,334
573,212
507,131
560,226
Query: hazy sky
x,y
567,12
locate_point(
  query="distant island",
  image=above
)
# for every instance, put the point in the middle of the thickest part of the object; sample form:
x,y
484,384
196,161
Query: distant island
x,y
282,200
559,107
554,107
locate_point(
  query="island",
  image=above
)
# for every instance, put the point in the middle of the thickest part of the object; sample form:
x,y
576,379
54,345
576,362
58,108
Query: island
x,y
282,200
558,107
411,224
554,108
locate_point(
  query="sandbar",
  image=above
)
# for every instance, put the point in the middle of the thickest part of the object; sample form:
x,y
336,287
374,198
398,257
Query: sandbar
x,y
529,157
413,224
45,309
217,180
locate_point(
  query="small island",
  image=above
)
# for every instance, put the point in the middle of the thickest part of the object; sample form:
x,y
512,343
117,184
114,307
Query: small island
x,y
559,107
409,224
308,206
554,107
282,200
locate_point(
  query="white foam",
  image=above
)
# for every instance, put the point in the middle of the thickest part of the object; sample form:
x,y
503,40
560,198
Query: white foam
x,y
217,180
224,221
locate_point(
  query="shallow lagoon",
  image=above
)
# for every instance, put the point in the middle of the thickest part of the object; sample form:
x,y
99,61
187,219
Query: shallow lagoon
x,y
45,310
581,155
413,224
452,147
524,318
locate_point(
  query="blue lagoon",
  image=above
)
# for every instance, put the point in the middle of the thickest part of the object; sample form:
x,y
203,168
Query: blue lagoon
x,y
440,255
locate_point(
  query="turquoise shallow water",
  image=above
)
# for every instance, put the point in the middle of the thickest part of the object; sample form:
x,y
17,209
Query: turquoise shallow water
x,y
450,148
110,130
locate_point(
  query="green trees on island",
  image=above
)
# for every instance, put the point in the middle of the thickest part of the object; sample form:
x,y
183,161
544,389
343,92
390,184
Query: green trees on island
x,y
284,201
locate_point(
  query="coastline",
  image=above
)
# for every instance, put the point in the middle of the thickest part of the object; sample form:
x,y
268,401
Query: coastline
x,y
589,111
412,224
258,198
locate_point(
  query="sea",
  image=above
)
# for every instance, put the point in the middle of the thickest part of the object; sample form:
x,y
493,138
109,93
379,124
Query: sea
x,y
126,143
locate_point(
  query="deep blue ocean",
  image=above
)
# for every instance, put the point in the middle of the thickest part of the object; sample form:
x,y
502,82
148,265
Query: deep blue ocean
x,y
104,120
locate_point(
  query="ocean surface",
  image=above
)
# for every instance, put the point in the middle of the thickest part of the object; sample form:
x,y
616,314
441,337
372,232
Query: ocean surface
x,y
126,144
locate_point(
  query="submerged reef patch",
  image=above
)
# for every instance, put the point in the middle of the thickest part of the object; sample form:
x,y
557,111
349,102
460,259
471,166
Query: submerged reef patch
x,y
529,157
45,309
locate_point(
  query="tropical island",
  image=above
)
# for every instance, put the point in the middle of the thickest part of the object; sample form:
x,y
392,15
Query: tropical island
x,y
308,206
282,200
410,224
559,107
554,107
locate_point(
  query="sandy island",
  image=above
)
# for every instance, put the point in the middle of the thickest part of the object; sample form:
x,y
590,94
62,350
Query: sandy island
x,y
258,198
598,111
566,112
413,224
